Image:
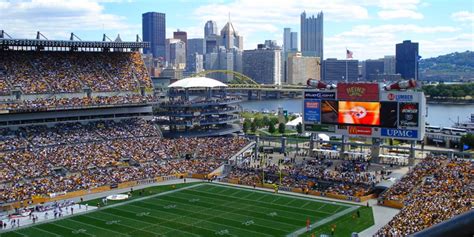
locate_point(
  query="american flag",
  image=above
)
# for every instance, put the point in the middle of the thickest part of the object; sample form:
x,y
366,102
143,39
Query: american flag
x,y
348,54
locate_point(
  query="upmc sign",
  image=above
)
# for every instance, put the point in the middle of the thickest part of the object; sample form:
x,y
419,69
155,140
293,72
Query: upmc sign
x,y
358,91
399,97
399,133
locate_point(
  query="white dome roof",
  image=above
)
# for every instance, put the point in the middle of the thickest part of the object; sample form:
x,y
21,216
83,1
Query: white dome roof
x,y
196,82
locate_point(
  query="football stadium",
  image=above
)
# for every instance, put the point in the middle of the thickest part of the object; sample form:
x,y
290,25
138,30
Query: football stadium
x,y
83,153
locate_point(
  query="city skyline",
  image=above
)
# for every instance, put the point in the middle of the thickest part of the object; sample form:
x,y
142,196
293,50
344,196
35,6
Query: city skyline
x,y
370,29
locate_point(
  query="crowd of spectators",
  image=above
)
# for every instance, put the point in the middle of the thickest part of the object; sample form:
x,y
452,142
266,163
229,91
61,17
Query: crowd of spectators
x,y
69,157
350,178
433,195
411,180
50,103
66,72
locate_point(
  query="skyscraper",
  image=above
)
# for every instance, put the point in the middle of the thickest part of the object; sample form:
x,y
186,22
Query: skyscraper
x,y
175,53
210,28
181,35
389,64
194,54
290,40
154,31
335,70
372,68
312,35
263,65
301,68
407,60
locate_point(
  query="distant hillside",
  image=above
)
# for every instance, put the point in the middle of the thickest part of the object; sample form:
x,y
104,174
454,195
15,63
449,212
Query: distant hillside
x,y
450,67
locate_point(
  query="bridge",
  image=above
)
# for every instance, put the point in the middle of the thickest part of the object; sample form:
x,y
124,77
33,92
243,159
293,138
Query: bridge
x,y
243,85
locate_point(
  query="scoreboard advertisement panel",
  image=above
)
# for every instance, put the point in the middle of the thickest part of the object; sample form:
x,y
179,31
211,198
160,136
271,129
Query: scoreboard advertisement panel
x,y
364,109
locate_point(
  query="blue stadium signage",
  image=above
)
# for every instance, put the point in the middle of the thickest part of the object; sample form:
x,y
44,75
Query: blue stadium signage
x,y
399,133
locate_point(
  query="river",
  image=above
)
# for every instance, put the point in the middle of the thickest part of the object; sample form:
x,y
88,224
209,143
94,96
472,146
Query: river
x,y
438,114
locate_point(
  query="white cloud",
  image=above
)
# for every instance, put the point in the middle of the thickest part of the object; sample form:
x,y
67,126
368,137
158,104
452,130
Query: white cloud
x,y
56,19
463,16
371,42
399,9
397,14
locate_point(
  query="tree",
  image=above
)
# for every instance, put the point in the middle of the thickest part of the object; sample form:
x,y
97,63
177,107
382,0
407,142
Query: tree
x,y
281,128
274,120
253,126
271,128
265,121
247,125
299,128
258,122
468,139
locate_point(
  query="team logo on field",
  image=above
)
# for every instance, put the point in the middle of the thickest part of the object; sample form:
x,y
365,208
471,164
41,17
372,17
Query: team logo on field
x,y
272,214
247,223
194,200
112,222
79,231
143,214
171,206
223,232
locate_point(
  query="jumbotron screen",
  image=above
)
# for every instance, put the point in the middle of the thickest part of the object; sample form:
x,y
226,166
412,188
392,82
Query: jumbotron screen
x,y
359,113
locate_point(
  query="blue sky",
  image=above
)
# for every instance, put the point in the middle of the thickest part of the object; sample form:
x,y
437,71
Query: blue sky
x,y
370,28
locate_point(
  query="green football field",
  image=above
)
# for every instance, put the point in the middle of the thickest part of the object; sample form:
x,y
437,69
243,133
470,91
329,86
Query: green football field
x,y
207,209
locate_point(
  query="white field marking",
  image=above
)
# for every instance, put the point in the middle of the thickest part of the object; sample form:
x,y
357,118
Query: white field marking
x,y
323,221
148,225
322,206
170,206
26,234
225,204
272,214
49,232
112,222
257,200
276,199
248,207
252,206
109,206
212,217
75,231
99,219
142,214
248,223
283,194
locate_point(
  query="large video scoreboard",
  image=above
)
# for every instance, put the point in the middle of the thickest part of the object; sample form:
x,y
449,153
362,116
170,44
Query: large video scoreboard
x,y
364,109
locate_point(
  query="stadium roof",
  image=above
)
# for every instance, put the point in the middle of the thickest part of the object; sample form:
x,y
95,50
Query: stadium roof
x,y
197,82
72,43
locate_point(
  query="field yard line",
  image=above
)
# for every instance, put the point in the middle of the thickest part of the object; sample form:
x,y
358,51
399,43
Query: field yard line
x,y
323,221
25,234
36,228
219,215
197,222
276,199
135,229
97,227
72,230
257,200
149,225
109,206
284,193
321,206
249,206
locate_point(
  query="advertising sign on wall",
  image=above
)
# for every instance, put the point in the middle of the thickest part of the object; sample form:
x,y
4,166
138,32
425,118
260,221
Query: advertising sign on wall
x,y
398,133
358,91
312,111
408,114
319,95
355,130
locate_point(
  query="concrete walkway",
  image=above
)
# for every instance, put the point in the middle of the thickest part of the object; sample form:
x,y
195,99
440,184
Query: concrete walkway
x,y
382,215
